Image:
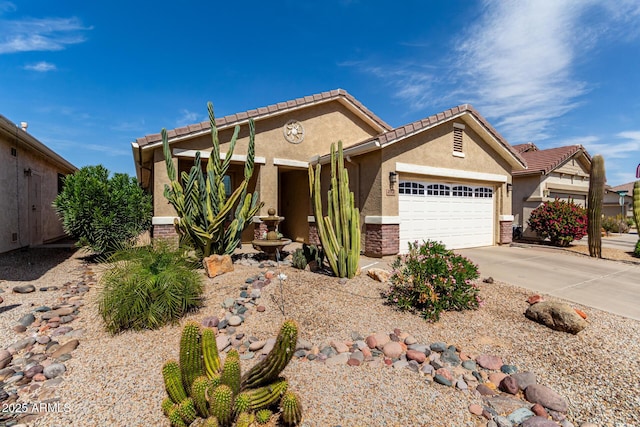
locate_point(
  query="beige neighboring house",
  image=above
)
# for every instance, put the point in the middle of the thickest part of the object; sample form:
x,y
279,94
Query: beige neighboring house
x,y
611,202
444,177
555,173
30,178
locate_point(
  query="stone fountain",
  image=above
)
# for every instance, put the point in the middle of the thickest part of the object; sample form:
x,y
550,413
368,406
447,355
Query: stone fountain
x,y
272,244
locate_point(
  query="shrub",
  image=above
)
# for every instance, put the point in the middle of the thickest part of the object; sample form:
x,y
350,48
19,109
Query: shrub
x,y
559,221
431,279
102,212
147,287
615,224
636,251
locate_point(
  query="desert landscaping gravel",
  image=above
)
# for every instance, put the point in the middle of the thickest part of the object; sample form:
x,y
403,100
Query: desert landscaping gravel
x,y
116,380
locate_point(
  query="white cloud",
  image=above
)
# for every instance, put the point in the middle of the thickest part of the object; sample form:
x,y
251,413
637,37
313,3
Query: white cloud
x,y
188,118
46,34
6,6
627,145
41,66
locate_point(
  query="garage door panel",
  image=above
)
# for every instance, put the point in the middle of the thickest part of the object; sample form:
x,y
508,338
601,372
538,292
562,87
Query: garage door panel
x,y
459,222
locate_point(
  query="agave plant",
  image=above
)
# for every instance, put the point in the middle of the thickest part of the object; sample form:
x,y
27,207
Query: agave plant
x,y
201,201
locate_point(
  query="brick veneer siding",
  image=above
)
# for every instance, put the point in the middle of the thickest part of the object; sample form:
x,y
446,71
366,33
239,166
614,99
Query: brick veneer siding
x,y
165,231
506,232
381,240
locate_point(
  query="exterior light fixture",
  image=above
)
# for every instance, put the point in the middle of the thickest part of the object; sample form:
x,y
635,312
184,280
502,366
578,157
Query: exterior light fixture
x,y
393,177
509,187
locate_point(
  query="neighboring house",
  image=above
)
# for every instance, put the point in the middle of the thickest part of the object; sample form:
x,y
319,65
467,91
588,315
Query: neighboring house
x,y
611,203
445,177
30,178
556,173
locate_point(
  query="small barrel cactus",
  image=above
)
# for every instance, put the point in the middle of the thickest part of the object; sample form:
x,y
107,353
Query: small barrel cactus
x,y
291,409
210,354
263,416
191,364
187,410
168,406
221,404
245,419
173,381
231,371
175,419
199,390
242,403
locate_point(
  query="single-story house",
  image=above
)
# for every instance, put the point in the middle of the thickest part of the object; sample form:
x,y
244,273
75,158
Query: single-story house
x,y
611,205
446,177
555,173
31,178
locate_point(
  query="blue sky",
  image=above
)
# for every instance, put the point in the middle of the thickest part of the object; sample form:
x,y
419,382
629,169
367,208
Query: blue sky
x,y
90,77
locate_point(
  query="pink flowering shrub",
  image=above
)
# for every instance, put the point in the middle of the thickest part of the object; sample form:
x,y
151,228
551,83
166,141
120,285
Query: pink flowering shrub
x,y
431,279
559,221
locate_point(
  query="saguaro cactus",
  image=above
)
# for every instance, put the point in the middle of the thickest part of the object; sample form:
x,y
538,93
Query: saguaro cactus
x,y
201,202
339,232
594,206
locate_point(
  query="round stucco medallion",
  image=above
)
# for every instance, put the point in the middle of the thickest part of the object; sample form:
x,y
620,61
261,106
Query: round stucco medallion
x,y
293,132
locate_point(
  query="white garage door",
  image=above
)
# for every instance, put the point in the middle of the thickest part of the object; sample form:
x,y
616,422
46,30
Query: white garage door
x,y
459,215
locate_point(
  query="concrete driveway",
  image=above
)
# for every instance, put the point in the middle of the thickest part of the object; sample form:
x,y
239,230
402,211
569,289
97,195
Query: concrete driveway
x,y
607,285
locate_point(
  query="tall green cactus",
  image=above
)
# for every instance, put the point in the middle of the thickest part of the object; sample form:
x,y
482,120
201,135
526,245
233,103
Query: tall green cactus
x,y
201,202
191,365
594,206
636,204
339,231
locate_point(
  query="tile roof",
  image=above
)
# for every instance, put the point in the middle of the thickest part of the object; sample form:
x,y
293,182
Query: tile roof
x,y
522,148
628,187
545,161
269,110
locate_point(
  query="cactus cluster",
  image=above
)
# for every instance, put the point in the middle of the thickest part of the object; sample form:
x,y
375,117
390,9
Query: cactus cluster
x,y
636,213
339,231
594,206
200,199
200,387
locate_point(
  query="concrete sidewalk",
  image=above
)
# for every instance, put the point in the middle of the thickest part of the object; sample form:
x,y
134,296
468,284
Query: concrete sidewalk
x,y
607,285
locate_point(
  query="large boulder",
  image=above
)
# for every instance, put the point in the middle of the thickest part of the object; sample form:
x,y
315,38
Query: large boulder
x,y
557,316
216,265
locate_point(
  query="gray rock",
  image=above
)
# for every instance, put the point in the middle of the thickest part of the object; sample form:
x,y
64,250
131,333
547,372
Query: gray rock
x,y
438,346
502,421
36,369
358,355
54,370
419,347
27,319
256,345
248,355
42,309
413,365
461,384
235,321
300,353
518,416
222,342
340,359
558,316
19,345
470,365
228,302
400,364
450,358
442,380
509,369
427,369
503,404
24,289
538,393
43,339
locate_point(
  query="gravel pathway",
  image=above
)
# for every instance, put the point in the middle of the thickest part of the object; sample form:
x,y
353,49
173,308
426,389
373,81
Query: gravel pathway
x,y
116,381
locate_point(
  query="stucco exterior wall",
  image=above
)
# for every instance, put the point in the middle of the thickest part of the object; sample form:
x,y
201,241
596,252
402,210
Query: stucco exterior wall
x,y
27,217
323,124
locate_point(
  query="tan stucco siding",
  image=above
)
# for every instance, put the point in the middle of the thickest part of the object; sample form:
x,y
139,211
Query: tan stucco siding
x,y
323,124
17,203
434,148
527,194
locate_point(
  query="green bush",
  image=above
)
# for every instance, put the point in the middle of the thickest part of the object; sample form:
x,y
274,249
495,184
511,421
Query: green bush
x,y
431,279
148,287
636,251
103,213
615,224
559,221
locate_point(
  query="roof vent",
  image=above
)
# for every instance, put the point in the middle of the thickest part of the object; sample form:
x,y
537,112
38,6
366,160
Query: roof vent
x,y
24,126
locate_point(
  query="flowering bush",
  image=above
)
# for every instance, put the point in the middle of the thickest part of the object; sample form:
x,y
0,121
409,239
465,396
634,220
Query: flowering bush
x,y
615,224
562,222
431,279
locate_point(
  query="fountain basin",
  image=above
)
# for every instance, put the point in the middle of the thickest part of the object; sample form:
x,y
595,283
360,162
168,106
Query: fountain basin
x,y
270,247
